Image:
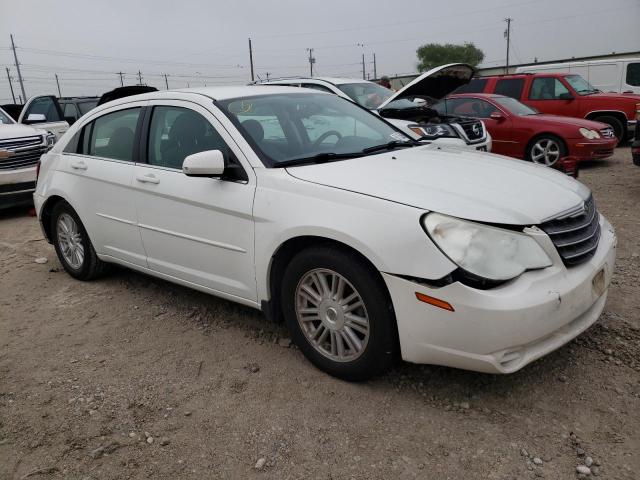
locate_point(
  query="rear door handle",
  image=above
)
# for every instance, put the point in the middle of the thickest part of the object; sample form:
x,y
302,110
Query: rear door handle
x,y
79,165
148,179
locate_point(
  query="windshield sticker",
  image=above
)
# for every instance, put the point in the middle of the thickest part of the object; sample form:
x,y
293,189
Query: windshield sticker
x,y
240,107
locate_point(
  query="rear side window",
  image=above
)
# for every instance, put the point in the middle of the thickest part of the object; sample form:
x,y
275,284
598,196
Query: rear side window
x,y
476,85
112,135
70,110
510,87
633,74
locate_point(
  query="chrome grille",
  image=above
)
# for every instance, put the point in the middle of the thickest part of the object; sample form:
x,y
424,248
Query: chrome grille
x,y
576,237
607,133
24,152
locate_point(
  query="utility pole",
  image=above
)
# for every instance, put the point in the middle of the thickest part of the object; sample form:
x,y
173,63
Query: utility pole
x,y
121,78
268,73
311,60
139,77
15,56
251,60
507,34
375,70
363,68
166,82
58,83
11,86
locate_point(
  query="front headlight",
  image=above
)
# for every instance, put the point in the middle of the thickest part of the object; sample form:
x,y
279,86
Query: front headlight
x,y
432,132
488,252
51,140
590,134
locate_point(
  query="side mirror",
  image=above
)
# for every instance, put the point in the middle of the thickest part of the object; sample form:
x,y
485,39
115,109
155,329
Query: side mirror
x,y
565,96
209,163
497,116
70,120
36,118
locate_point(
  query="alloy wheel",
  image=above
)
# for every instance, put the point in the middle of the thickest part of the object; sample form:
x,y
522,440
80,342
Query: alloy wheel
x,y
545,151
332,315
70,241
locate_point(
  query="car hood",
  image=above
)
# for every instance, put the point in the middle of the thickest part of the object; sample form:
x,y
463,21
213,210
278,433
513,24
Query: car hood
x,y
630,97
568,121
436,83
15,130
457,182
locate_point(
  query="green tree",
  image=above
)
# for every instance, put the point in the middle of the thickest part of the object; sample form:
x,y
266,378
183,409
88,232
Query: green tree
x,y
435,54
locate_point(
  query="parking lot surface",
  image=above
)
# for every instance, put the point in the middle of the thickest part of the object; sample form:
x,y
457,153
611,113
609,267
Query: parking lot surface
x,y
132,377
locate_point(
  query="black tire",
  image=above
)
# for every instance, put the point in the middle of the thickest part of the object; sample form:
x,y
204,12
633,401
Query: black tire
x,y
544,137
91,266
616,124
380,350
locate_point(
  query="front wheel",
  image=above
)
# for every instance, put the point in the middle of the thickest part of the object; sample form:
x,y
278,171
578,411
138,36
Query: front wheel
x,y
72,244
615,124
546,150
339,313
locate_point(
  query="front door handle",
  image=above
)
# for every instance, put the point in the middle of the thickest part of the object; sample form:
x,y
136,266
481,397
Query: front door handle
x,y
150,178
79,165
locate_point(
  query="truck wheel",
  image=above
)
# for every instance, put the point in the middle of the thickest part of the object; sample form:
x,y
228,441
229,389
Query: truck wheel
x,y
613,122
339,313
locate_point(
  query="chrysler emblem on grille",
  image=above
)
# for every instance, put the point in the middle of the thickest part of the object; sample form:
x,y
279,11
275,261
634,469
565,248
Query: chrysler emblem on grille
x,y
476,129
5,154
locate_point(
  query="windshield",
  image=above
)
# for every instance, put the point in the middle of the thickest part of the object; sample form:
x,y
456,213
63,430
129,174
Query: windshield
x,y
580,85
369,95
4,118
297,128
87,106
514,106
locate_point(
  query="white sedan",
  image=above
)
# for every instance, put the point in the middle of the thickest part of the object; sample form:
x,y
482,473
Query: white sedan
x,y
315,210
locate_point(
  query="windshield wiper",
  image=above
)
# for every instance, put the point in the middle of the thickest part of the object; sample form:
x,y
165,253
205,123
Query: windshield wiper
x,y
389,146
319,158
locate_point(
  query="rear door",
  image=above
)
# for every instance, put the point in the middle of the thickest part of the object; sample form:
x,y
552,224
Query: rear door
x,y
48,106
199,230
99,164
631,78
551,95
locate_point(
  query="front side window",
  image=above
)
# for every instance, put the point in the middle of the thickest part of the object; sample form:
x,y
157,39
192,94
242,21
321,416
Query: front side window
x,y
368,94
547,88
177,132
509,87
45,106
285,128
4,118
580,85
112,135
633,74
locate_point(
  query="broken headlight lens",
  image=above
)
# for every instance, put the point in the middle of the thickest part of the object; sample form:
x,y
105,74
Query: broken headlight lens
x,y
488,252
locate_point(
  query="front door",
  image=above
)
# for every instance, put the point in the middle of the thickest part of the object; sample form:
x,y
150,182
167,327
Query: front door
x,y
48,106
551,95
199,230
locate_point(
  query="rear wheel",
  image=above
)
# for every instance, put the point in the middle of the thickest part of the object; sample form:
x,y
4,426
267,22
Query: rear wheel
x,y
546,150
339,313
72,244
616,124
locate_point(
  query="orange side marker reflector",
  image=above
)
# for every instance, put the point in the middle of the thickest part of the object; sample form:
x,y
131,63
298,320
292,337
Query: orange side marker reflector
x,y
436,302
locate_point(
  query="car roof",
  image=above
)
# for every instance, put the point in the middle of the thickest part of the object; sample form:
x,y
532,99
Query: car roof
x,y
215,93
333,80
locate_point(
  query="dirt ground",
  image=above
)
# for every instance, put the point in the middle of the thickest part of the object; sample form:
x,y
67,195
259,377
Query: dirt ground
x,y
133,377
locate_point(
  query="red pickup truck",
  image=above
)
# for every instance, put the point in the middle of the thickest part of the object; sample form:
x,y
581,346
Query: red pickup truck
x,y
564,94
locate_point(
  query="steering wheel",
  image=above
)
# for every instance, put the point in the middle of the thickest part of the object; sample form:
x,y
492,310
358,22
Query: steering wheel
x,y
326,135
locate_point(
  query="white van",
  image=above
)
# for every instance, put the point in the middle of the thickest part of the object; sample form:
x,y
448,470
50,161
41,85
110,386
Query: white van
x,y
621,75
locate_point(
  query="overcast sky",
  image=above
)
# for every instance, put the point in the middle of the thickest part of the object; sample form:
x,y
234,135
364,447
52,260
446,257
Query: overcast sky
x,y
203,41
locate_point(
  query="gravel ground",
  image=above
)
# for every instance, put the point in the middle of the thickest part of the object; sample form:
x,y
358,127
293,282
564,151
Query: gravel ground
x,y
133,377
